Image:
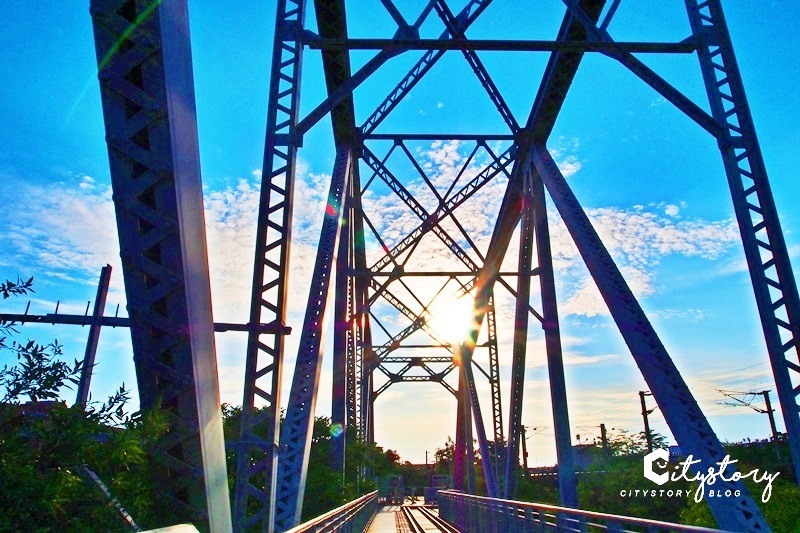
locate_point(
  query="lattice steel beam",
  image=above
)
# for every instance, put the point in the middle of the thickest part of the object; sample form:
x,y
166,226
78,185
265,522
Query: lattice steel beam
x,y
296,430
451,23
567,482
343,337
145,72
764,246
520,342
254,502
452,202
681,412
465,18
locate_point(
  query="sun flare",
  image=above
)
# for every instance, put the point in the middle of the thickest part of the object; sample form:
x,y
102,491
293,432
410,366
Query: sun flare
x,y
452,320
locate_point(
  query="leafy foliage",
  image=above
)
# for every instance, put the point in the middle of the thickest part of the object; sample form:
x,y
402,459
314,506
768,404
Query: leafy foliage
x,y
39,374
10,288
46,446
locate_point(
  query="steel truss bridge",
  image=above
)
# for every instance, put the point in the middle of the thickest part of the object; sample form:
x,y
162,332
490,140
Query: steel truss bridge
x,y
145,74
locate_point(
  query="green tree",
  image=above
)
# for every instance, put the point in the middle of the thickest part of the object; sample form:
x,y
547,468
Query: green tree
x,y
48,448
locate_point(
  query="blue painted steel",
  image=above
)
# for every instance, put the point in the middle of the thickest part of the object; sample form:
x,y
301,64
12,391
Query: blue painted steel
x,y
297,427
145,72
520,347
343,333
465,18
359,358
567,482
452,202
345,90
496,45
681,412
488,306
558,75
457,34
489,515
362,336
646,74
257,461
507,220
764,246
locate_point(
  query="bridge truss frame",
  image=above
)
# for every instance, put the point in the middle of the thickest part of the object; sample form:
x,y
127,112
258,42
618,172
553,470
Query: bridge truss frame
x,y
273,458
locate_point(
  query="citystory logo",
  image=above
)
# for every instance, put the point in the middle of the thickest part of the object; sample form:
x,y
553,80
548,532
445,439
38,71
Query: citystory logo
x,y
657,469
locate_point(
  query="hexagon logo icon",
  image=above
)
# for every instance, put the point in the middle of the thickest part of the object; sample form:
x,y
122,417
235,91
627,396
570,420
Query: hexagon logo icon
x,y
660,454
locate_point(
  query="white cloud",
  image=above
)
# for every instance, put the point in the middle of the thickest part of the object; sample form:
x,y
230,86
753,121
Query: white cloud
x,y
569,165
637,239
69,229
65,230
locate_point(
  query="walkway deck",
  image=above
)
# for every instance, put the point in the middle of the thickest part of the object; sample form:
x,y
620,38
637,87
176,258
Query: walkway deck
x,y
384,521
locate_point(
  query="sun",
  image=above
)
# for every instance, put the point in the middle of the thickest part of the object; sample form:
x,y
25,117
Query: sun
x,y
452,319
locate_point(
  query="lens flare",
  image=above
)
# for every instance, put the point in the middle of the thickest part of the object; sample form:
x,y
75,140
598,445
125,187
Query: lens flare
x,y
452,320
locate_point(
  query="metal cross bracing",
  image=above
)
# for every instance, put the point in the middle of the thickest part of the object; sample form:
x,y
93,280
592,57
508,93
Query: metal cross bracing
x,y
256,471
394,273
765,249
387,296
145,73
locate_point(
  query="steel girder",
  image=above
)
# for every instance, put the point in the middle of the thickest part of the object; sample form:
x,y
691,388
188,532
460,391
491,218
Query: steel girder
x,y
764,246
520,347
567,481
296,431
343,338
145,72
579,33
464,19
494,364
254,501
681,412
558,76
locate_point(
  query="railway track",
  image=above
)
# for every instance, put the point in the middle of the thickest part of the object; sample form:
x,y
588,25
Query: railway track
x,y
420,519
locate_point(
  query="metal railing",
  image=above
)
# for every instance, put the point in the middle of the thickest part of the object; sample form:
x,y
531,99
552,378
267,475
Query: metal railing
x,y
489,515
351,517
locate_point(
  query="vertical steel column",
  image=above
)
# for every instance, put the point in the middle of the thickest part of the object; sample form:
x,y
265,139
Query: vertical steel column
x,y
82,396
461,442
463,451
567,482
764,246
494,389
343,333
362,330
145,71
520,347
297,427
681,412
254,503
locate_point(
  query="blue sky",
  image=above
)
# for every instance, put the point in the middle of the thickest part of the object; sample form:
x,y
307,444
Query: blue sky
x,y
650,178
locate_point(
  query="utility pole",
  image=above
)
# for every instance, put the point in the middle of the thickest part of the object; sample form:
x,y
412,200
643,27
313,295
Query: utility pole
x,y
94,336
604,439
524,453
771,413
645,412
748,403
